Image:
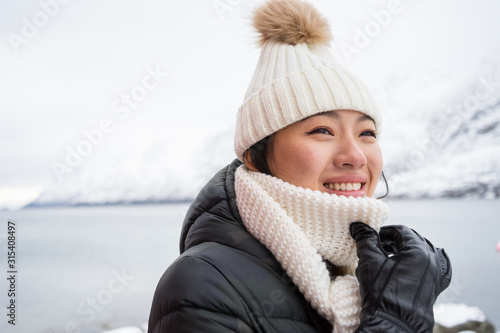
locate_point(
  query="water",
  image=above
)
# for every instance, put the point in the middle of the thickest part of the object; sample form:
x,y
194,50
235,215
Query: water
x,y
91,269
68,262
469,232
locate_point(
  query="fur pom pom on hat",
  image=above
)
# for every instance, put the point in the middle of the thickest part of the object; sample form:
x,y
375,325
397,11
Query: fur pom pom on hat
x,y
291,22
296,76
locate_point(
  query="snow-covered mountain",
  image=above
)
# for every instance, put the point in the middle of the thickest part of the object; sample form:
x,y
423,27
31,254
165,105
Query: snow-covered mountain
x,y
440,138
454,150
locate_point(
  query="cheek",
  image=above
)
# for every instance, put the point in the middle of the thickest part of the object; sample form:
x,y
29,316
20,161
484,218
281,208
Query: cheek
x,y
305,155
297,164
375,164
375,161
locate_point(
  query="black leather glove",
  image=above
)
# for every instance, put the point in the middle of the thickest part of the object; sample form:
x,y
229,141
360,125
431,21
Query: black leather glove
x,y
400,276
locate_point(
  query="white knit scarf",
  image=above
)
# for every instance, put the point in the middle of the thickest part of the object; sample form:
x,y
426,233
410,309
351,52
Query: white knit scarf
x,y
301,227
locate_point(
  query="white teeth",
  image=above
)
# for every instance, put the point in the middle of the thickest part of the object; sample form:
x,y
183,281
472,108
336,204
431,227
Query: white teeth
x,y
343,186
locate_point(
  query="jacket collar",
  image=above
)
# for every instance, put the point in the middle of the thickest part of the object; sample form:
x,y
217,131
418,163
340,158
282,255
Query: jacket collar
x,y
214,217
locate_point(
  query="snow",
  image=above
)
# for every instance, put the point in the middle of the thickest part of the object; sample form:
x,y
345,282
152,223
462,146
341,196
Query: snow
x,y
15,197
128,329
454,151
450,314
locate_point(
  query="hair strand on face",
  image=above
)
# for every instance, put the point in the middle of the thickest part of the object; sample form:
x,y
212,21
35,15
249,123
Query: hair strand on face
x,y
382,175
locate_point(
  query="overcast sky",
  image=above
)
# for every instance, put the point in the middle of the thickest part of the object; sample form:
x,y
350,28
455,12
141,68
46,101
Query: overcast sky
x,y
68,66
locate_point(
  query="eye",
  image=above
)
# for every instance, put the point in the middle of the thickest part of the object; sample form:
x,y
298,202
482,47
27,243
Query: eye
x,y
369,133
321,130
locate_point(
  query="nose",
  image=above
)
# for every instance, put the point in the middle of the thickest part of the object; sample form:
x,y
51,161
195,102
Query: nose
x,y
349,155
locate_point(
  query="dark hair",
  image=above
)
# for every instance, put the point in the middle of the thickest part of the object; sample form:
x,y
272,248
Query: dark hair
x,y
386,187
261,152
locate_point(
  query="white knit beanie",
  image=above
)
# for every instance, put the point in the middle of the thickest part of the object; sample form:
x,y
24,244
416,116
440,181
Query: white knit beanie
x,y
296,76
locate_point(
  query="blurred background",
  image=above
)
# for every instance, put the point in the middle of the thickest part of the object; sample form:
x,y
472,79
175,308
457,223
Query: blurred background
x,y
113,115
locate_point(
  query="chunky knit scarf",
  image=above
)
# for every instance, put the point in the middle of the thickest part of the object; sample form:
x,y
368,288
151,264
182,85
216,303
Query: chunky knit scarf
x,y
302,228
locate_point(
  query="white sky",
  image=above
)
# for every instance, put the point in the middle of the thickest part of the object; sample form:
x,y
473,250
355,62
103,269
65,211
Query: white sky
x,y
66,76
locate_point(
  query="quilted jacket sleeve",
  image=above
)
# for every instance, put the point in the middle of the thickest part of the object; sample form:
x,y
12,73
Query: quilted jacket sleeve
x,y
192,296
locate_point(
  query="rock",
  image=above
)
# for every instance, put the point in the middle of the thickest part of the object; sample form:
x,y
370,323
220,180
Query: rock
x,y
470,326
454,318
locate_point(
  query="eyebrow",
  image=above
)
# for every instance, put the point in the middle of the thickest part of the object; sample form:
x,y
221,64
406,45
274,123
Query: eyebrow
x,y
365,117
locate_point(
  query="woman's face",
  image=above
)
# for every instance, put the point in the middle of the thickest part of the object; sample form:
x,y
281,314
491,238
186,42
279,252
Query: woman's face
x,y
334,152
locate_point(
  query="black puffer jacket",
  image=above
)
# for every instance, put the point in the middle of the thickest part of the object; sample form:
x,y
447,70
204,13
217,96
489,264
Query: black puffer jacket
x,y
225,280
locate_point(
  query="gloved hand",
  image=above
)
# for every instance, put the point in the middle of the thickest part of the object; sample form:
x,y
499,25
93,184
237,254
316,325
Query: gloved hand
x,y
400,275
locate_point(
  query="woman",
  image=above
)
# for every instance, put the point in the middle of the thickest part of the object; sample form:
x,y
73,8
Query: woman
x,y
272,244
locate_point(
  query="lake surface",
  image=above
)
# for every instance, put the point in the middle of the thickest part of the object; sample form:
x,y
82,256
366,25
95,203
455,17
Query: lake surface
x,y
90,269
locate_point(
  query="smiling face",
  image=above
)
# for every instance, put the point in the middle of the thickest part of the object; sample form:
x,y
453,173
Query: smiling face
x,y
334,152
